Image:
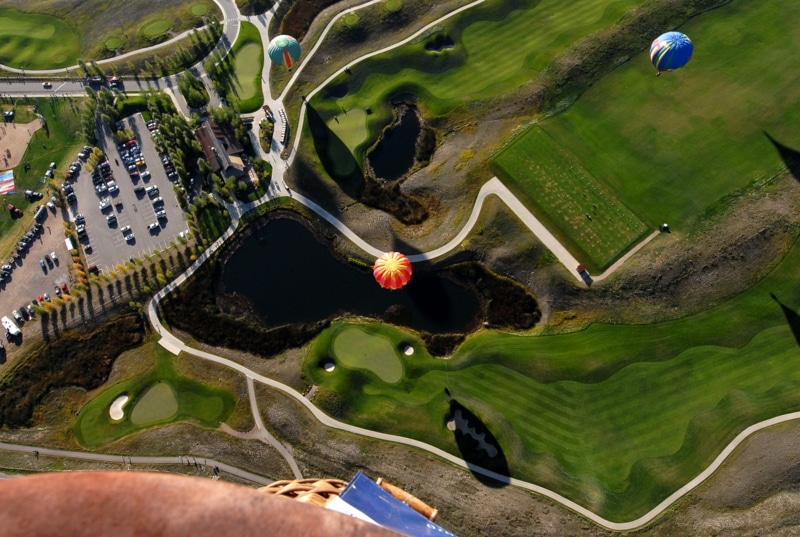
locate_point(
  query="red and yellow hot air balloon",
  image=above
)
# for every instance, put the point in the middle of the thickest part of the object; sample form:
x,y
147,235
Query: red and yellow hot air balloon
x,y
392,270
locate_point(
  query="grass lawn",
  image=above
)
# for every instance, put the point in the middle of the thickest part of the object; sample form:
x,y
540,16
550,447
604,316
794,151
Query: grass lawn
x,y
56,144
614,417
37,40
248,53
582,209
359,348
669,147
480,65
213,221
90,29
158,396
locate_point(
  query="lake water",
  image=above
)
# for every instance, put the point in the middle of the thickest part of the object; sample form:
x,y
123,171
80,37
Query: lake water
x,y
291,278
394,155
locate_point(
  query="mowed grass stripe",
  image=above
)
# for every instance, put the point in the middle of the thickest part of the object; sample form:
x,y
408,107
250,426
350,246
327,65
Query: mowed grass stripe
x,y
692,136
581,207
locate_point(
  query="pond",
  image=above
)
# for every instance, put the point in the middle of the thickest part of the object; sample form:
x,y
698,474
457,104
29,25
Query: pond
x,y
395,153
290,277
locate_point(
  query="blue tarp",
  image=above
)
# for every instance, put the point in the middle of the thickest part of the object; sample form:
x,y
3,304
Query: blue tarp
x,y
365,499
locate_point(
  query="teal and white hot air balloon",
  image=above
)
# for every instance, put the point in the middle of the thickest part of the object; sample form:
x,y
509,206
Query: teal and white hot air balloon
x,y
284,50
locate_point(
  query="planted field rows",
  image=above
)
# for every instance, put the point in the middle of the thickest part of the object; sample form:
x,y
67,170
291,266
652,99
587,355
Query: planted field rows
x,y
571,199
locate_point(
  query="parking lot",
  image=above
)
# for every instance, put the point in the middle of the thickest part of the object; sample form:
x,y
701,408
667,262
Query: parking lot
x,y
109,243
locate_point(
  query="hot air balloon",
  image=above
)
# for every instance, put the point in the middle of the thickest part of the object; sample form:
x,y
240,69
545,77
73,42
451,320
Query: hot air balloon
x,y
392,270
671,51
284,50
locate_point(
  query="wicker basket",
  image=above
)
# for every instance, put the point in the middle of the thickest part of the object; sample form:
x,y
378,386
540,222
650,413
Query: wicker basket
x,y
314,491
320,491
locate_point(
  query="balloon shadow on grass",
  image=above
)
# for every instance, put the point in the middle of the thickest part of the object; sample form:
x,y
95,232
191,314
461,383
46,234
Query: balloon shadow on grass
x,y
478,446
335,156
792,317
790,157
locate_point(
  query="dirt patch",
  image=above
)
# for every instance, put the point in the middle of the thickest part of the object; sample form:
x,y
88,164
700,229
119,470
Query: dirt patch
x,y
14,139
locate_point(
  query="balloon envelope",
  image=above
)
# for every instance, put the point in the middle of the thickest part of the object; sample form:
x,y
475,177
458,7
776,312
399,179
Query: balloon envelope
x,y
670,51
392,270
284,50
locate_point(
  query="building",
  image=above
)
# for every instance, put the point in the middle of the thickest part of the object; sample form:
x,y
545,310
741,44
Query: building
x,y
221,148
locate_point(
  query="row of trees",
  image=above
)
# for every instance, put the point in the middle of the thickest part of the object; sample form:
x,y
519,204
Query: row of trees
x,y
193,90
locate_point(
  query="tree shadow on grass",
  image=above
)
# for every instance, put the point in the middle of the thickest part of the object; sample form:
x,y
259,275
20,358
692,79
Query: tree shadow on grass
x,y
335,156
478,446
792,317
790,157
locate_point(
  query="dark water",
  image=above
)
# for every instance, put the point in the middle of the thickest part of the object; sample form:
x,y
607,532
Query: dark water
x,y
394,154
291,278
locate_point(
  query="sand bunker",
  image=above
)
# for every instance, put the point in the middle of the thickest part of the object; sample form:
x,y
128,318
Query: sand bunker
x,y
328,366
409,350
116,410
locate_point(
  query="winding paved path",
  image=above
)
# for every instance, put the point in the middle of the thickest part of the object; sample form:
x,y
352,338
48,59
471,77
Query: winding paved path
x,y
279,189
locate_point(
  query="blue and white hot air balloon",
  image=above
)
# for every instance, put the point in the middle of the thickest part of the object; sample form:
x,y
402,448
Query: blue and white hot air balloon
x,y
671,51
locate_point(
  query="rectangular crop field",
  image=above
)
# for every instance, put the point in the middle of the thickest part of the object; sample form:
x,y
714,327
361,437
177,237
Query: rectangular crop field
x,y
569,198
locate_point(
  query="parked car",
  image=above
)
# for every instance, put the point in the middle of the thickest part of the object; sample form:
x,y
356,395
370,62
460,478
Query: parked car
x,y
161,214
111,220
112,187
154,226
80,218
44,267
54,257
105,203
58,290
152,190
64,288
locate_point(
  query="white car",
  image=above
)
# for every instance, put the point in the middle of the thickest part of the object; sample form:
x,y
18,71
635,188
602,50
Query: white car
x,y
158,200
105,203
112,186
145,174
161,214
154,226
129,237
54,257
126,229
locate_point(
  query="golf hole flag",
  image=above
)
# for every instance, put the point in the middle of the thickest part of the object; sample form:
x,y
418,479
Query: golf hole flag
x,y
6,182
364,499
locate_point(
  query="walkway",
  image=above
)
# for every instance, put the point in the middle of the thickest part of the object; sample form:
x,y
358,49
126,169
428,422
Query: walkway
x,y
277,189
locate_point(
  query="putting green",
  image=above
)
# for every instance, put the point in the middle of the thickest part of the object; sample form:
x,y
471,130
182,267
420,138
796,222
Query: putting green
x,y
157,404
113,43
357,349
351,128
351,19
156,27
36,40
392,5
248,66
198,10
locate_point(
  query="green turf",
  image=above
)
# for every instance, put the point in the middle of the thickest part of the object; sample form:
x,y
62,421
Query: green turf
x,y
357,348
351,19
484,61
392,5
56,144
570,199
248,53
157,404
198,10
614,417
156,27
113,43
37,40
157,397
351,127
671,146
